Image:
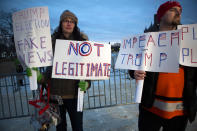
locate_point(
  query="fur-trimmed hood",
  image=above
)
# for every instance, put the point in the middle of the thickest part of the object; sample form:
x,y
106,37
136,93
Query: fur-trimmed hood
x,y
84,36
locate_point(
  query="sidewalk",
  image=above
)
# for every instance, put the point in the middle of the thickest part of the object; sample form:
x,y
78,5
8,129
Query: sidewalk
x,y
117,118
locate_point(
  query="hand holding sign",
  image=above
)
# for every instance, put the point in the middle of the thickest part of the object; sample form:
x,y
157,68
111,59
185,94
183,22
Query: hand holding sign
x,y
81,60
155,51
83,85
139,75
38,73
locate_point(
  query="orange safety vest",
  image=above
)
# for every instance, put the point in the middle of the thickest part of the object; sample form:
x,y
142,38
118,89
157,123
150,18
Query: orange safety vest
x,y
169,94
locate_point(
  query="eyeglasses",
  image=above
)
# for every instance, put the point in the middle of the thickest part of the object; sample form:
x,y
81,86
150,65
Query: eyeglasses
x,y
69,21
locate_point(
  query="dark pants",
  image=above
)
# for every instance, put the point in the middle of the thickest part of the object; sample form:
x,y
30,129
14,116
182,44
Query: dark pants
x,y
76,118
150,122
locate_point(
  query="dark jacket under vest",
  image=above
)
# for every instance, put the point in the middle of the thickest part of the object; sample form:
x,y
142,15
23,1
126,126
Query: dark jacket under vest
x,y
189,92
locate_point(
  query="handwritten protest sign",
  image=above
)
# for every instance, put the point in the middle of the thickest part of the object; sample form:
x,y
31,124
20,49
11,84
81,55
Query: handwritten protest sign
x,y
155,51
32,37
188,48
83,60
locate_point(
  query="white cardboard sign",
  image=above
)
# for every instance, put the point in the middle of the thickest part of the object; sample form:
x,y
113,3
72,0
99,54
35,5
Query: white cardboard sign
x,y
32,37
155,51
83,60
188,48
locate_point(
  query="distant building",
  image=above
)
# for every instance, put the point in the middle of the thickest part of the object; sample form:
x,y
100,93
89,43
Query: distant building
x,y
153,27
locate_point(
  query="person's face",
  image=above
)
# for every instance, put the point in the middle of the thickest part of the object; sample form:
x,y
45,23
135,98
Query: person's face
x,y
172,16
68,26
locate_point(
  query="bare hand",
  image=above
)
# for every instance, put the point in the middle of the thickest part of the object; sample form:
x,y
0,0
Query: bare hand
x,y
139,75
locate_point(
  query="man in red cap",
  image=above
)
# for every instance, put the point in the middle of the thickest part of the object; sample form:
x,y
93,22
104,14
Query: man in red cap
x,y
169,100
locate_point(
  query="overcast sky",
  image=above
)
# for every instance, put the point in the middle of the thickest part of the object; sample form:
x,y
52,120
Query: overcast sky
x,y
106,20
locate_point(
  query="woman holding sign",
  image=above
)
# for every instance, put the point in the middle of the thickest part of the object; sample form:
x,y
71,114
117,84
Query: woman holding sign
x,y
169,100
67,88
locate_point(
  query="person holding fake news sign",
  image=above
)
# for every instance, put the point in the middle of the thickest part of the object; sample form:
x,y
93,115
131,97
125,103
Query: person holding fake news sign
x,y
66,88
